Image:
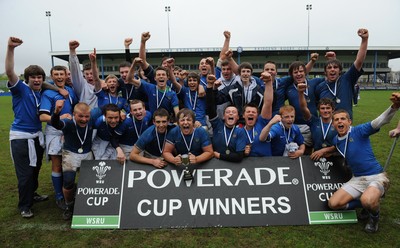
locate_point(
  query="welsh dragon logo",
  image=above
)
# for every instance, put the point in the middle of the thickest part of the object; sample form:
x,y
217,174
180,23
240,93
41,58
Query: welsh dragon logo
x,y
324,165
101,170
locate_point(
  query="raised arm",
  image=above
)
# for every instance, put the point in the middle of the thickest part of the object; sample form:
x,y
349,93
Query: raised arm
x,y
183,76
232,62
224,48
77,78
266,110
211,63
226,53
177,86
13,42
301,87
130,78
330,55
55,118
311,63
127,43
210,97
388,114
265,131
362,52
142,50
95,70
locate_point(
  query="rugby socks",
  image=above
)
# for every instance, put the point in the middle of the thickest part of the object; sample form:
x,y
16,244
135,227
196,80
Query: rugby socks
x,y
57,180
372,225
374,215
353,204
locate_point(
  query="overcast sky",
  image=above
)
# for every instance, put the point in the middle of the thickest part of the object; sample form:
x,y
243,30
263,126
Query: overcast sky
x,y
104,24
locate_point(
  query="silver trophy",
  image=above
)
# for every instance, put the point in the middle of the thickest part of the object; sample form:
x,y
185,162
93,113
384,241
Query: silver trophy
x,y
290,147
187,175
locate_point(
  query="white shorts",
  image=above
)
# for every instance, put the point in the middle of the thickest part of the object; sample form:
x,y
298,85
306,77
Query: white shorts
x,y
103,150
357,185
306,132
126,149
54,141
72,161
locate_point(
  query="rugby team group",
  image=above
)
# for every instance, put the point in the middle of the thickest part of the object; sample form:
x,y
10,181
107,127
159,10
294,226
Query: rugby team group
x,y
158,116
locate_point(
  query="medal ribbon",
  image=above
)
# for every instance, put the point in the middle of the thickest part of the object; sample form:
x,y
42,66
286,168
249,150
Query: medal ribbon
x,y
110,99
248,136
77,133
141,126
158,140
188,147
195,100
162,98
323,129
128,95
284,132
36,101
230,135
329,88
345,145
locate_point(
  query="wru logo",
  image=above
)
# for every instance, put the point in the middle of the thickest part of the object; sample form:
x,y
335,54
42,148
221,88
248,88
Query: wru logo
x,y
101,170
324,165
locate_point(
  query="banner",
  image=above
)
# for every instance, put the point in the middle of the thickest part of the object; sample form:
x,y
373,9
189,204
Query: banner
x,y
257,192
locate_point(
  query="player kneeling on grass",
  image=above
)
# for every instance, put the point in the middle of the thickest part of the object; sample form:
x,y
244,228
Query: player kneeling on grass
x,y
78,134
369,181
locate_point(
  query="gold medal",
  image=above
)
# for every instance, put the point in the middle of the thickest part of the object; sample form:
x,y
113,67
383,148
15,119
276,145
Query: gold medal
x,y
324,145
227,152
80,150
337,100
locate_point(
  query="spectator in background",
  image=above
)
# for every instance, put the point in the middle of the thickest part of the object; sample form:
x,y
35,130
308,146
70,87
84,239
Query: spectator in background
x,y
356,94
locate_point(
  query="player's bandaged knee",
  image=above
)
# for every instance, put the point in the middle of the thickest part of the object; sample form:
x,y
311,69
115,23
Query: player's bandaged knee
x,y
69,179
